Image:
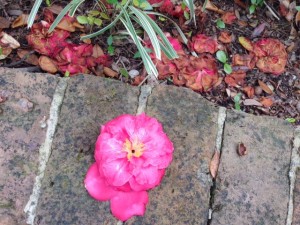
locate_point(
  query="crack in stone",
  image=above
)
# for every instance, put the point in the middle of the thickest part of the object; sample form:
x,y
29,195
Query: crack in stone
x,y
45,149
146,91
219,140
294,165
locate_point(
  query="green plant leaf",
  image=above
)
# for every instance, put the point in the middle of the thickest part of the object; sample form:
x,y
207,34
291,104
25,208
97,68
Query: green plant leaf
x,y
124,72
110,40
149,65
144,22
98,22
104,16
252,9
111,50
190,5
48,2
182,35
108,26
1,51
82,19
186,15
291,120
220,24
113,2
91,20
221,56
146,6
227,68
253,2
138,54
298,8
33,12
75,5
236,100
94,13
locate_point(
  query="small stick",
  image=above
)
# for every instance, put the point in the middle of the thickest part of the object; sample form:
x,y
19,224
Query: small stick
x,y
271,11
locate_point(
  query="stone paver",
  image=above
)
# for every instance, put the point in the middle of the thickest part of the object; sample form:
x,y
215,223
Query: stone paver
x,y
28,99
296,216
253,189
190,121
250,189
89,102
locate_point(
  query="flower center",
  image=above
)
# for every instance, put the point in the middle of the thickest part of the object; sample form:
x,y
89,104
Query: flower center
x,y
133,148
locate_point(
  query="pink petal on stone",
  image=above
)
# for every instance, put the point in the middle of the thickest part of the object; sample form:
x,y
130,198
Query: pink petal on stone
x,y
127,204
147,179
96,185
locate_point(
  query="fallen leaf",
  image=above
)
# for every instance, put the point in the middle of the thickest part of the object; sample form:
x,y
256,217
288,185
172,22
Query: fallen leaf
x,y
251,102
214,164
235,79
56,9
20,21
258,30
30,58
202,43
272,56
265,87
212,7
8,41
5,52
249,91
246,43
97,51
241,149
225,37
240,3
47,64
67,24
267,102
109,72
244,60
228,17
4,23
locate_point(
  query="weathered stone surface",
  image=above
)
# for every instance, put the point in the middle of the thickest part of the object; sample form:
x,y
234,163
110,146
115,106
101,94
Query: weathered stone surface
x,y
296,214
190,122
253,189
89,102
26,99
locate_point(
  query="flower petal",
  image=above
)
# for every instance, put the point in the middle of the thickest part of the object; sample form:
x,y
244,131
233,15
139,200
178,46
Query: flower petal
x,y
146,178
96,185
116,172
127,204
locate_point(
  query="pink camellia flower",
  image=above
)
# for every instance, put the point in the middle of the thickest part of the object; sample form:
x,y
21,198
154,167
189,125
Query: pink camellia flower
x,y
131,155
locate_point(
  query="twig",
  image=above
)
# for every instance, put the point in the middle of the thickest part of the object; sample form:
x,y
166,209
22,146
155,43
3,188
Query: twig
x,y
271,11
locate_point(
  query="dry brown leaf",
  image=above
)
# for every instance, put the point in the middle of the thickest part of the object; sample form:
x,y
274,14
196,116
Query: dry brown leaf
x,y
97,51
8,41
214,164
47,64
56,9
87,41
30,58
66,24
265,87
267,102
249,91
251,102
210,6
109,72
20,21
5,52
4,23
241,149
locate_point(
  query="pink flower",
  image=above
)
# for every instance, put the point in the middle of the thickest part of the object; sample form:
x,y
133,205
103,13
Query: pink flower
x,y
131,155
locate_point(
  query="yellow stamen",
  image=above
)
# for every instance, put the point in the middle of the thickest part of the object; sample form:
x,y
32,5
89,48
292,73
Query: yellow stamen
x,y
134,148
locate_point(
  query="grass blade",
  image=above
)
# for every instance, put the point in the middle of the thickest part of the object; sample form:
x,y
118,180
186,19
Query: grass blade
x,y
33,12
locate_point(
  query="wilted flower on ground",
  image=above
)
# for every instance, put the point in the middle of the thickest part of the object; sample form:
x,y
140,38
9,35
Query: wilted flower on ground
x,y
131,155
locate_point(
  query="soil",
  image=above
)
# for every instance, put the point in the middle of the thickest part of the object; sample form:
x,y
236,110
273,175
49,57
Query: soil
x,y
286,87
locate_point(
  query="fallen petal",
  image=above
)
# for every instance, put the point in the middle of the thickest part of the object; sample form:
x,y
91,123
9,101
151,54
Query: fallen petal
x,y
127,204
97,186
